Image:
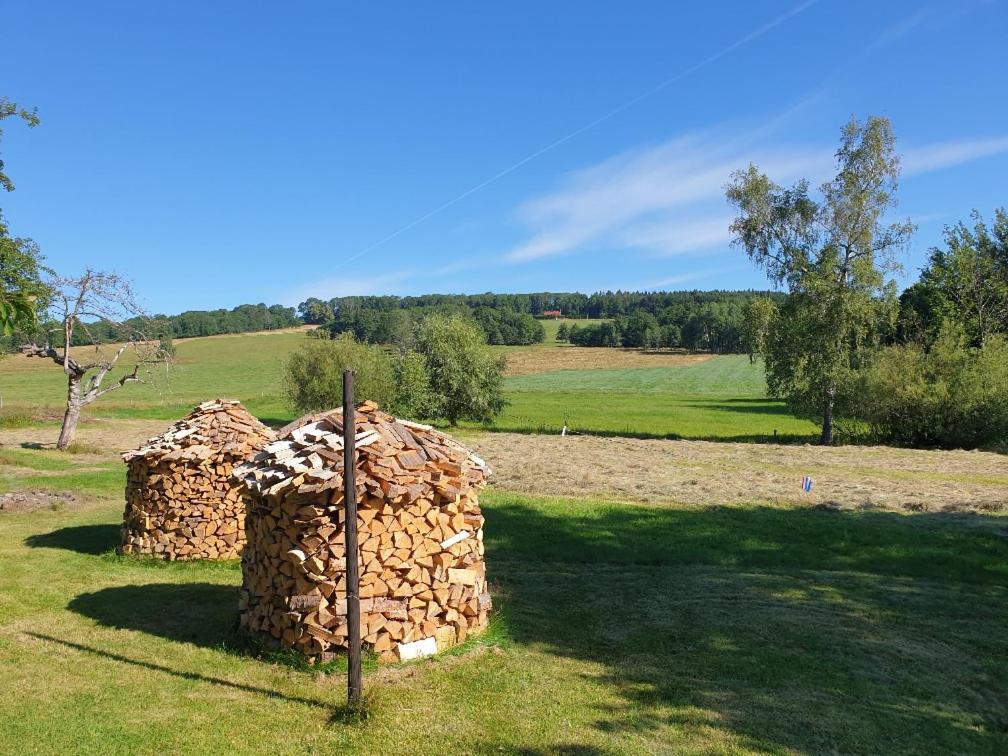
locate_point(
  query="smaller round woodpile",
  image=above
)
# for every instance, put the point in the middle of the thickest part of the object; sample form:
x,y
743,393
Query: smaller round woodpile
x,y
180,500
420,536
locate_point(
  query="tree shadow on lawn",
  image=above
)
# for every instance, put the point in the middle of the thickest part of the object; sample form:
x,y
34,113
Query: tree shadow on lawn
x,y
805,629
739,438
84,539
195,676
802,629
747,406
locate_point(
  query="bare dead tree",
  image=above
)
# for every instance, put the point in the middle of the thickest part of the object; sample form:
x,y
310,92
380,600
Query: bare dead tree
x,y
95,304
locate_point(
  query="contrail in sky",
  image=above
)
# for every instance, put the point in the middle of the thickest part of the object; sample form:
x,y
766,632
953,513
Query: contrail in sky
x,y
756,33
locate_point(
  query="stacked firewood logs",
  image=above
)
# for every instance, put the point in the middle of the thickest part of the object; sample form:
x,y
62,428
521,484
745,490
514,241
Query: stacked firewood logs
x,y
422,577
180,500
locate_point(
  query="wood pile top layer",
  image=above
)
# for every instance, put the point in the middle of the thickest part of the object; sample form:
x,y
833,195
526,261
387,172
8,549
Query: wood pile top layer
x,y
307,456
215,428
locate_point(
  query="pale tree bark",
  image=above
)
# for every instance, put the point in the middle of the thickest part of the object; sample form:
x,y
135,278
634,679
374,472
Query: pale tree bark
x,y
826,437
71,417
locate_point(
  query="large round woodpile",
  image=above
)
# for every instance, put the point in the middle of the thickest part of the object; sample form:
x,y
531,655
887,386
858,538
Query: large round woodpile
x,y
180,500
422,576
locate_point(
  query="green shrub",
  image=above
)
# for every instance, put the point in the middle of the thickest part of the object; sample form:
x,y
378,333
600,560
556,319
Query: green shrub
x,y
465,377
452,374
950,396
313,374
412,386
166,347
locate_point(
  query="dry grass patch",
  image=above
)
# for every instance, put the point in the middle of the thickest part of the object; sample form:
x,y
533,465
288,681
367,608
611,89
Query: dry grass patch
x,y
30,501
99,437
700,472
530,360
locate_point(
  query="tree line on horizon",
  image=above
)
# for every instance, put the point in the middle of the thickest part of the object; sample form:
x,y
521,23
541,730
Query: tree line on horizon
x,y
246,318
695,320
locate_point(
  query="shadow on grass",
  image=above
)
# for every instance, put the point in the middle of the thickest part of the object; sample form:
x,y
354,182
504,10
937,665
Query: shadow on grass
x,y
204,614
84,539
780,629
739,438
746,406
811,630
194,676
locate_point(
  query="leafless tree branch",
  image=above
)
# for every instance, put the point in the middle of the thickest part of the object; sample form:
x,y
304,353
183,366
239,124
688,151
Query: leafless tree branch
x,y
81,303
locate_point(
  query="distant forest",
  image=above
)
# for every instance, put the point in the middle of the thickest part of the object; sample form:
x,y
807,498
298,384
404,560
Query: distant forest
x,y
695,320
242,319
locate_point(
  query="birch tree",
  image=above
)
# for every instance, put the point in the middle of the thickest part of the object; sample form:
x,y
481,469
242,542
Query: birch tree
x,y
832,253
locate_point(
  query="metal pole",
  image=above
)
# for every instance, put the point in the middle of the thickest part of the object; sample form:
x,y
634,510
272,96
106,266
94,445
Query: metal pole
x,y
350,535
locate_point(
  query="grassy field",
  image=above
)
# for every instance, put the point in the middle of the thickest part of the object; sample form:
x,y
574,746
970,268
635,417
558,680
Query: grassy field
x,y
723,397
246,366
552,326
619,628
608,391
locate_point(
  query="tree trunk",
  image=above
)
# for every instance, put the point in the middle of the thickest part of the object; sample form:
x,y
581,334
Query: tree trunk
x,y
826,439
72,415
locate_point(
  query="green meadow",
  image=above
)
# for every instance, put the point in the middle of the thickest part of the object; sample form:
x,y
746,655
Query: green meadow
x,y
721,398
618,628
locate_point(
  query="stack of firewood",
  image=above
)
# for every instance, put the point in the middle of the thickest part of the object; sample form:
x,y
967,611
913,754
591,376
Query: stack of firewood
x,y
422,577
180,500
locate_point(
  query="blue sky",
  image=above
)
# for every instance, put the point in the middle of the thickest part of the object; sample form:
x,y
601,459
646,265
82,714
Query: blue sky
x,y
221,153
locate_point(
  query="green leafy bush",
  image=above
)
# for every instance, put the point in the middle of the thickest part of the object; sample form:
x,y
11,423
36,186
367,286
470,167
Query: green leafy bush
x,y
950,396
450,375
166,347
313,374
465,378
413,398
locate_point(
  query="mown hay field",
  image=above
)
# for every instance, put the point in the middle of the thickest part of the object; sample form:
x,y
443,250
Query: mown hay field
x,y
620,627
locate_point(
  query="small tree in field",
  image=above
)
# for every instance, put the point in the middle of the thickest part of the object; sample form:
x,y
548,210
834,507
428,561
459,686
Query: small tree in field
x,y
77,304
465,377
313,374
833,255
412,386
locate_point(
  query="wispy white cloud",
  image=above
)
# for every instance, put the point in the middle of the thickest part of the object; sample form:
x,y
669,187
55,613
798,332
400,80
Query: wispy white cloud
x,y
921,218
756,33
669,199
932,157
675,236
